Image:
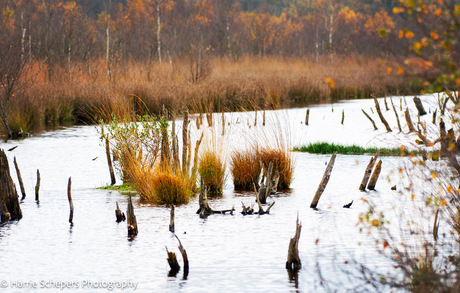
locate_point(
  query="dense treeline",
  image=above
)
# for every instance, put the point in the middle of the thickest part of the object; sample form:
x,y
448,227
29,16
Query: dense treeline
x,y
66,32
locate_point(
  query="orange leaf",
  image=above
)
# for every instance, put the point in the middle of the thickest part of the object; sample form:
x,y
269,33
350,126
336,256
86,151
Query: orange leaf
x,y
443,203
401,34
389,70
409,35
400,71
375,223
330,82
434,35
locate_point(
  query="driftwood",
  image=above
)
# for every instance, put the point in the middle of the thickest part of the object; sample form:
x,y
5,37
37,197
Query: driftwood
x,y
247,210
184,257
173,263
396,114
307,116
119,214
375,176
379,112
9,199
21,184
368,172
293,262
69,197
369,117
205,210
109,161
132,222
185,142
171,220
409,121
348,205
419,105
37,187
323,183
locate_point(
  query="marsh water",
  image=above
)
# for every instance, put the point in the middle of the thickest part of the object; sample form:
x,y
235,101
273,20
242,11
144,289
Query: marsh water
x,y
227,253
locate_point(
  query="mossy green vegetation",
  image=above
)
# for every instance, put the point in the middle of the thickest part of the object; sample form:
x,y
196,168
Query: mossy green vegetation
x,y
122,188
329,148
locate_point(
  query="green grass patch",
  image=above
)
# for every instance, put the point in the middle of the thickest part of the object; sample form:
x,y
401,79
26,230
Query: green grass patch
x,y
329,148
121,188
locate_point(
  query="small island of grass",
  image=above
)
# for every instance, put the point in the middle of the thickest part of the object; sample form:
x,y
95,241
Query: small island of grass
x,y
329,148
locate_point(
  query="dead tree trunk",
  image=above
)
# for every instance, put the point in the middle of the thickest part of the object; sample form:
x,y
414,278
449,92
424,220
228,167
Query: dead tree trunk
x,y
293,262
375,176
184,257
109,161
409,121
171,220
322,185
9,199
205,210
396,114
265,189
69,197
379,112
369,117
173,263
37,187
132,222
119,214
368,172
419,105
21,184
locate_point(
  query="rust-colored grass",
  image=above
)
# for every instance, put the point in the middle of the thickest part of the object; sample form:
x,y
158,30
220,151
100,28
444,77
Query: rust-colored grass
x,y
282,162
245,168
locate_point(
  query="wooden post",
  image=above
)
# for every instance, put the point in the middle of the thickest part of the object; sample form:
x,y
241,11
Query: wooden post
x,y
419,105
132,222
293,262
436,226
119,214
386,104
184,257
375,176
369,117
109,161
396,114
255,118
21,184
323,183
173,263
368,171
9,199
175,155
377,107
409,121
263,119
223,123
37,187
69,197
171,220
184,142
434,116
307,116
343,116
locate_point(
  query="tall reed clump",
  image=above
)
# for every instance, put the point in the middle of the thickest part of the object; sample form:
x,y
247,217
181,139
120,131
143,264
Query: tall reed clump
x,y
282,162
212,170
245,168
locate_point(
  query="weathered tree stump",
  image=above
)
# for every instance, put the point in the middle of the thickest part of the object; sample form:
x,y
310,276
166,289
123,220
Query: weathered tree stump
x,y
379,112
324,180
37,187
247,210
119,214
205,210
9,199
368,172
293,262
21,184
375,176
173,263
369,117
109,161
171,220
409,121
419,105
184,257
132,222
69,197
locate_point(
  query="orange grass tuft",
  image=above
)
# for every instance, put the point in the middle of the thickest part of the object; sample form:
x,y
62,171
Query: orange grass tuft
x,y
245,168
282,162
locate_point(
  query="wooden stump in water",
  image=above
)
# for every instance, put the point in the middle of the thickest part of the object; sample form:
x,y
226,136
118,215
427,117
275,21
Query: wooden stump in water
x,y
323,183
409,121
9,199
419,105
379,112
109,161
375,176
69,197
119,214
173,263
396,114
343,117
205,210
307,116
368,172
37,187
369,117
171,220
132,222
293,262
263,119
184,257
21,184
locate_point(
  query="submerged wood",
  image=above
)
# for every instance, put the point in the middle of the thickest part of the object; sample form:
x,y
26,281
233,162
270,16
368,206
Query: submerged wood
x,y
21,184
419,105
185,142
171,220
396,114
10,208
375,176
119,214
109,161
368,172
379,112
348,205
324,180
293,262
69,197
247,210
205,210
369,117
132,222
409,121
261,209
37,187
173,263
184,257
